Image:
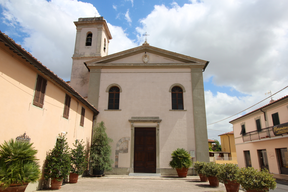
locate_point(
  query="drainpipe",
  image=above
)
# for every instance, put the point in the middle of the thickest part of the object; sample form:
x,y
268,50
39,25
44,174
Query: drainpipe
x,y
265,117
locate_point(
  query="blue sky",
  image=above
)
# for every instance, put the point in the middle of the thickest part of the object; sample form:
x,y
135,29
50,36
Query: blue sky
x,y
245,41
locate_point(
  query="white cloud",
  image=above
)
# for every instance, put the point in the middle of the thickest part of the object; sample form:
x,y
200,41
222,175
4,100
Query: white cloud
x,y
50,31
127,17
114,7
132,2
245,41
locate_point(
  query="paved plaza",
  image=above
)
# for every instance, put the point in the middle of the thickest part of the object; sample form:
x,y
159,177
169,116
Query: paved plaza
x,y
124,183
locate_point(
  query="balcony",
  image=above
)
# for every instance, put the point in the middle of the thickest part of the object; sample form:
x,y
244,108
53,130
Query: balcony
x,y
268,132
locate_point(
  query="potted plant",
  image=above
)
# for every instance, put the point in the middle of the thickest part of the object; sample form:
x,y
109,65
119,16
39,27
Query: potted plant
x,y
58,163
253,180
198,166
18,165
181,160
78,161
210,170
227,175
100,151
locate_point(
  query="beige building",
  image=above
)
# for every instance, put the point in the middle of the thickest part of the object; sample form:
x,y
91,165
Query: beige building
x,y
37,105
261,137
151,100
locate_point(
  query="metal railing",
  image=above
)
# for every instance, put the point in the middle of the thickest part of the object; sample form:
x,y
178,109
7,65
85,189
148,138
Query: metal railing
x,y
258,135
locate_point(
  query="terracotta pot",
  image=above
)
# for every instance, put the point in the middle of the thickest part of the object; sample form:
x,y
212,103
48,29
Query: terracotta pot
x,y
182,172
203,178
73,178
254,190
14,188
214,182
232,186
56,184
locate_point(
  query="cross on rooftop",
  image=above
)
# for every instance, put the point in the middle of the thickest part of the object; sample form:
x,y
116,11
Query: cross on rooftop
x,y
145,34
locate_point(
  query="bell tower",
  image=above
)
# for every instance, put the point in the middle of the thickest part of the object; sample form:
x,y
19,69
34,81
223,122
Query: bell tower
x,y
92,41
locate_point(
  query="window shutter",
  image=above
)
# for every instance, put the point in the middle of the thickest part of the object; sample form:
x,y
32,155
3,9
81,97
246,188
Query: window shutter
x,y
258,124
40,91
67,106
243,131
275,118
82,116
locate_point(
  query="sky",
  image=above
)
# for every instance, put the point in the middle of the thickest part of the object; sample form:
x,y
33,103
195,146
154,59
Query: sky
x,y
245,42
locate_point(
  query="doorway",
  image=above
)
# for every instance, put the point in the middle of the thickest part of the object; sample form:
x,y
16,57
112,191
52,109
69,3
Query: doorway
x,y
145,150
263,160
282,157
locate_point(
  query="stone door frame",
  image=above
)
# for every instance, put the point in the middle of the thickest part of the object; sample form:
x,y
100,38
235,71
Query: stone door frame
x,y
145,122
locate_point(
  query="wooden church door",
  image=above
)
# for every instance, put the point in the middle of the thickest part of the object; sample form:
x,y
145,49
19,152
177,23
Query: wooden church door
x,y
145,150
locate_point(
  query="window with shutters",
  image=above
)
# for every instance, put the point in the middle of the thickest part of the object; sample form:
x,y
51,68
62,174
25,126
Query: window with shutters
x,y
67,106
89,39
275,118
258,125
82,117
40,91
243,129
114,96
177,98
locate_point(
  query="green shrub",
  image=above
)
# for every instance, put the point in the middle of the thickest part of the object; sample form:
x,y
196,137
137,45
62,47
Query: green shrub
x,y
251,178
100,149
180,158
211,169
18,163
78,158
198,166
58,160
227,172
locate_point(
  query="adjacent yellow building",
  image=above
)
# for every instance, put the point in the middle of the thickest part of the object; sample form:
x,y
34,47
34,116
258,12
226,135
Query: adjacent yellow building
x,y
37,105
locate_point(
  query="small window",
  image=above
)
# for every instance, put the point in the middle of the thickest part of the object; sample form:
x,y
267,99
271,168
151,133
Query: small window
x,y
82,116
275,118
177,98
114,95
40,91
67,106
247,158
258,125
243,130
89,39
104,48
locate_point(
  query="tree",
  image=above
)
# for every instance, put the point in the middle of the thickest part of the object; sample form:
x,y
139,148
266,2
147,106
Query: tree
x,y
216,146
100,149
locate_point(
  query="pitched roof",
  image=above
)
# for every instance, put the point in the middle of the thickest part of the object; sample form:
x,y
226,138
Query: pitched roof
x,y
16,48
260,108
211,141
228,133
147,48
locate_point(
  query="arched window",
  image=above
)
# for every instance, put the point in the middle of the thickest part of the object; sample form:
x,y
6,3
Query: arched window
x,y
114,95
177,98
89,39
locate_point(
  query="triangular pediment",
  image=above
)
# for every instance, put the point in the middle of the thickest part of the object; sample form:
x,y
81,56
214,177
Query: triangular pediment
x,y
145,54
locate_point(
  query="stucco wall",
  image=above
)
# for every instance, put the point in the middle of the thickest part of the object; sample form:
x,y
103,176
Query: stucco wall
x,y
270,144
145,93
42,125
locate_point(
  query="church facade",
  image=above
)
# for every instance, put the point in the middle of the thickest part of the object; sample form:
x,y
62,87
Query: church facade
x,y
150,99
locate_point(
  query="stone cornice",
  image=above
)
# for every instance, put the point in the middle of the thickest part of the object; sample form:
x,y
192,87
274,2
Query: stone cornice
x,y
145,65
93,20
149,49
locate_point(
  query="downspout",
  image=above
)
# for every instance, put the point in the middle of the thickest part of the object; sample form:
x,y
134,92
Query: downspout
x,y
265,118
